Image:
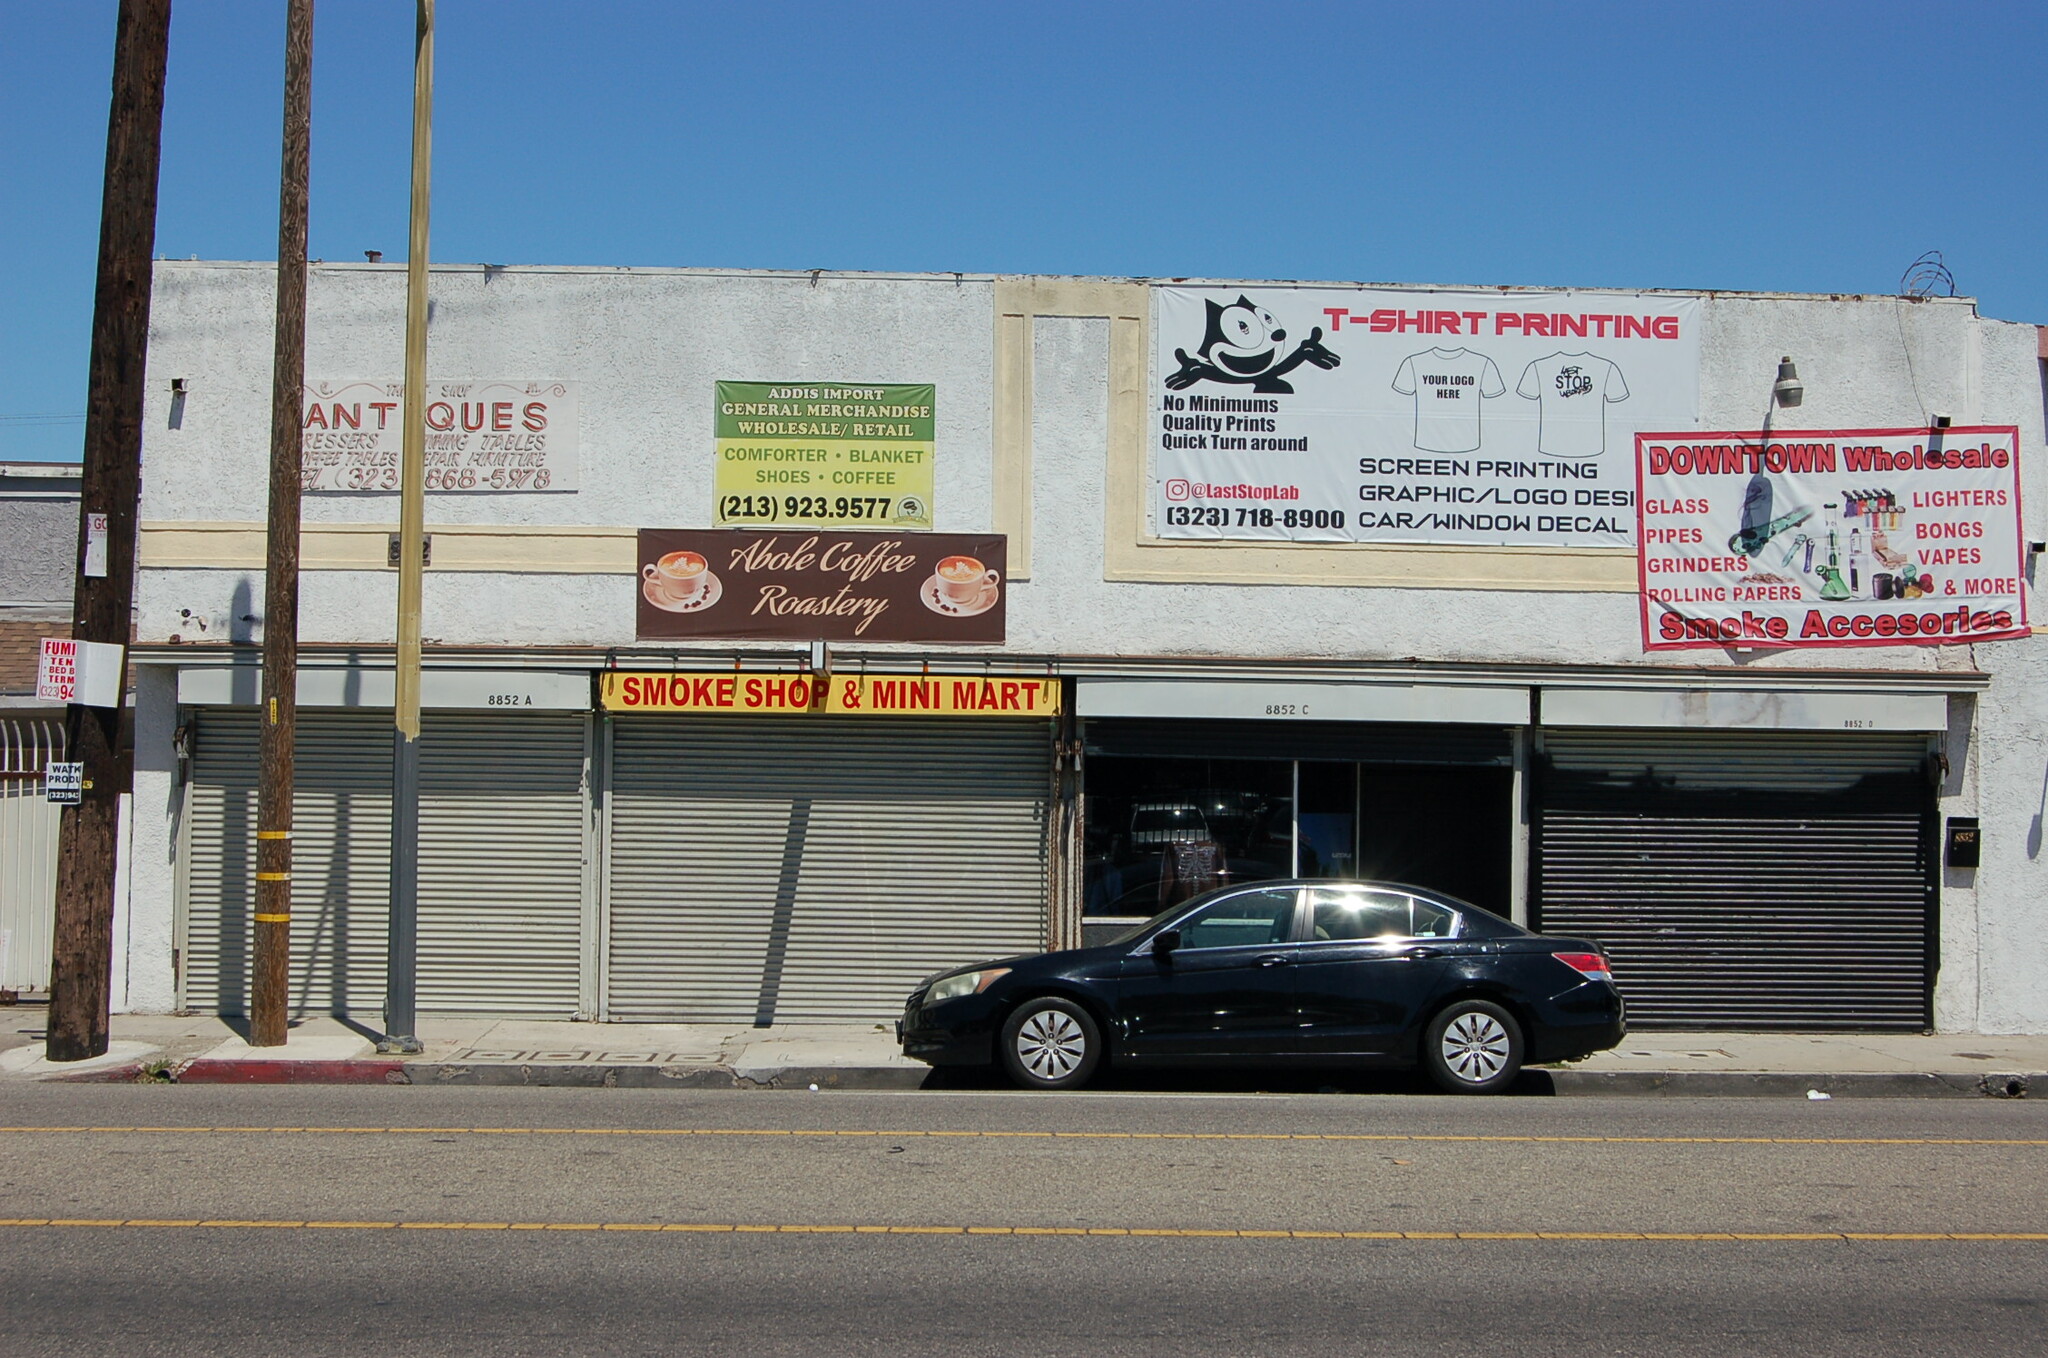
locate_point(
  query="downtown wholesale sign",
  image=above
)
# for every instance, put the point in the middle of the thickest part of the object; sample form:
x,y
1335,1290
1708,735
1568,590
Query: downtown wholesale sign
x,y
1854,537
1404,415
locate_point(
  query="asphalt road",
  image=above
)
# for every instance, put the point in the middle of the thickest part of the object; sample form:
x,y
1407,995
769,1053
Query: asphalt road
x,y
515,1221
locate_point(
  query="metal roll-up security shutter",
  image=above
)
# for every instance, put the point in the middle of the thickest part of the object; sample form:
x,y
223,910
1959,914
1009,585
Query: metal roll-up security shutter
x,y
341,861
817,868
501,862
1745,880
1365,742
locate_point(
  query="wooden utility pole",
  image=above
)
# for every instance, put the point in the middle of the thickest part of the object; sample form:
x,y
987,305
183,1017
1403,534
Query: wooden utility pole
x,y
273,933
402,957
111,482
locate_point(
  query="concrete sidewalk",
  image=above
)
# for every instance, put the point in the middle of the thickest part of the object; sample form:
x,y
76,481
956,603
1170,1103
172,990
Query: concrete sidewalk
x,y
865,1056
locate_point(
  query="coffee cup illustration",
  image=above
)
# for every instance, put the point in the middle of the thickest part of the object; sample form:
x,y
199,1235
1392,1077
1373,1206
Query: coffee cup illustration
x,y
678,576
963,578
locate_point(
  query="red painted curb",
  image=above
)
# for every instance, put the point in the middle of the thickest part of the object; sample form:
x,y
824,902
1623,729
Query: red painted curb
x,y
212,1072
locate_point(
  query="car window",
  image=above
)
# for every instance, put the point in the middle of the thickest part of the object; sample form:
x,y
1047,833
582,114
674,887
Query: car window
x,y
1433,920
1246,919
1337,915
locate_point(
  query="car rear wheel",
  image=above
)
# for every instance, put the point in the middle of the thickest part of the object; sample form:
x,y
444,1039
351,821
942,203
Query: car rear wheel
x,y
1051,1043
1473,1047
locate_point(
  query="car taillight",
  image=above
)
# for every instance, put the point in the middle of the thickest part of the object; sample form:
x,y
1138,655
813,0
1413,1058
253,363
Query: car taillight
x,y
1590,965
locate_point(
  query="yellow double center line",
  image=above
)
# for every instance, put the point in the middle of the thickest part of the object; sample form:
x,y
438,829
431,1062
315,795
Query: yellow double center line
x,y
679,1228
1414,1137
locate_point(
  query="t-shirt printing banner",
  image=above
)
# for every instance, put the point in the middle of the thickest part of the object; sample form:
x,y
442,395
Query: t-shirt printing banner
x,y
1401,415
1855,537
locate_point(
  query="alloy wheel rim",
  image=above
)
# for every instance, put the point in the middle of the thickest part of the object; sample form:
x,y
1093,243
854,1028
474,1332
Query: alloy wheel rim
x,y
1051,1044
1475,1047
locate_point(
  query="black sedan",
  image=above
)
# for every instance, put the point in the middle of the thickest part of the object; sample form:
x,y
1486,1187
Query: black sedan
x,y
1301,972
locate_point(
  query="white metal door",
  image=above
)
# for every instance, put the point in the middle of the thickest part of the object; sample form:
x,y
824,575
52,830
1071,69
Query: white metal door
x,y
28,851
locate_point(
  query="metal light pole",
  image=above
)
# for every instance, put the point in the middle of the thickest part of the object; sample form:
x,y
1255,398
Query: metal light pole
x,y
400,1021
271,981
103,597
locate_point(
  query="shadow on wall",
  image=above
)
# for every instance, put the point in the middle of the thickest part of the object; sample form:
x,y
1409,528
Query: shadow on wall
x,y
2040,808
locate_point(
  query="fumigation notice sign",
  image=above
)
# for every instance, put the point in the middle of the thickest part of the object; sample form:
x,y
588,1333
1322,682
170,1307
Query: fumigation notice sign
x,y
1302,414
1851,537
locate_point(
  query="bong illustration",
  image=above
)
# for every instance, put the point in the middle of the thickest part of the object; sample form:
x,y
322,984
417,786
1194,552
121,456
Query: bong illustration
x,y
1832,586
1758,527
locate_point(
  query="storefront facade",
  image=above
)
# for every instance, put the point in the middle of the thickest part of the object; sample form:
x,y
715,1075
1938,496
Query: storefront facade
x,y
1095,682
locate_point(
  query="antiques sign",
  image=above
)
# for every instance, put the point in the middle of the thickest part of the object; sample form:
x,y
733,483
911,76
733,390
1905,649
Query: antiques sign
x,y
482,436
812,585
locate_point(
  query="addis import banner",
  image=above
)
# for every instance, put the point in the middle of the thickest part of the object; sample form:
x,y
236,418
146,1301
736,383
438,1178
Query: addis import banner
x,y
1849,537
1408,415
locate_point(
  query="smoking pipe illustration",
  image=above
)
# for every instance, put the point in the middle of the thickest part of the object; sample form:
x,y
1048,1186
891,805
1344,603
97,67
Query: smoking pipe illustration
x,y
1751,537
1758,527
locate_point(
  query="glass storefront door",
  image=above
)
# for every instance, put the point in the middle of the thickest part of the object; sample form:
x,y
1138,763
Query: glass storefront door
x,y
1159,830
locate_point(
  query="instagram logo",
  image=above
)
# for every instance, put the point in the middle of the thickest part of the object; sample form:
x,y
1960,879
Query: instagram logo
x,y
1177,490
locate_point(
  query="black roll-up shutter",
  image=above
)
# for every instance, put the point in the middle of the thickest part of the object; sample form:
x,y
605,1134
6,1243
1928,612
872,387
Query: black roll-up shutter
x,y
1358,741
1744,880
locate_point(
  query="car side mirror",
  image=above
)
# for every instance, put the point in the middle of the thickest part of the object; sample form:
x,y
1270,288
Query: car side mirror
x,y
1165,941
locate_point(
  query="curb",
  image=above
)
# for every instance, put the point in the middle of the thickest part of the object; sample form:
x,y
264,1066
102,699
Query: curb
x,y
1538,1081
665,1077
1784,1084
205,1071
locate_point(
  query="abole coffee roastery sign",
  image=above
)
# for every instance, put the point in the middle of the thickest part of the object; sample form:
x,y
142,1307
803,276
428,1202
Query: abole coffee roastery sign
x,y
814,584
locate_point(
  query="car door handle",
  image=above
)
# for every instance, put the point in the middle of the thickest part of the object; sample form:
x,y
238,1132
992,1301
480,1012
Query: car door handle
x,y
1274,960
1419,953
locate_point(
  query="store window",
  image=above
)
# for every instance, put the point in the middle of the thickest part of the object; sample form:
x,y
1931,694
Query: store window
x,y
1160,830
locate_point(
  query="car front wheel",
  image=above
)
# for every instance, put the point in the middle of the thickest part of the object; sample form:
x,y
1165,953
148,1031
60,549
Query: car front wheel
x,y
1473,1047
1051,1043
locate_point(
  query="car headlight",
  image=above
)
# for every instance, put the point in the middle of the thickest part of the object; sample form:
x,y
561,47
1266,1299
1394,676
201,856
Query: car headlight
x,y
966,983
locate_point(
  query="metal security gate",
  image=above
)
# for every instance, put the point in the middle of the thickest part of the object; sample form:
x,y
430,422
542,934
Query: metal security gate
x,y
815,868
1745,880
502,834
28,851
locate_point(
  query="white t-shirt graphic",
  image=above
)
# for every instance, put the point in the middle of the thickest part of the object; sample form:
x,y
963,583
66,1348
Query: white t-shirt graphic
x,y
1573,392
1448,385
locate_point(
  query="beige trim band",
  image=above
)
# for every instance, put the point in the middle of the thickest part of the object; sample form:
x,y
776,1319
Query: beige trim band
x,y
565,550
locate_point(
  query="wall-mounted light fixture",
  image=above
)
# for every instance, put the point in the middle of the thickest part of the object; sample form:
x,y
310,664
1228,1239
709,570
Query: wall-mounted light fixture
x,y
177,386
374,256
1788,390
1939,421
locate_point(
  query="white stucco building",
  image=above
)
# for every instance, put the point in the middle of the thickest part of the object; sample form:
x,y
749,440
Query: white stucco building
x,y
1758,833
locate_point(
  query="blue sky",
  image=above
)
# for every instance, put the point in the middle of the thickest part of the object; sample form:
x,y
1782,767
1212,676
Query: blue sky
x,y
1787,146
